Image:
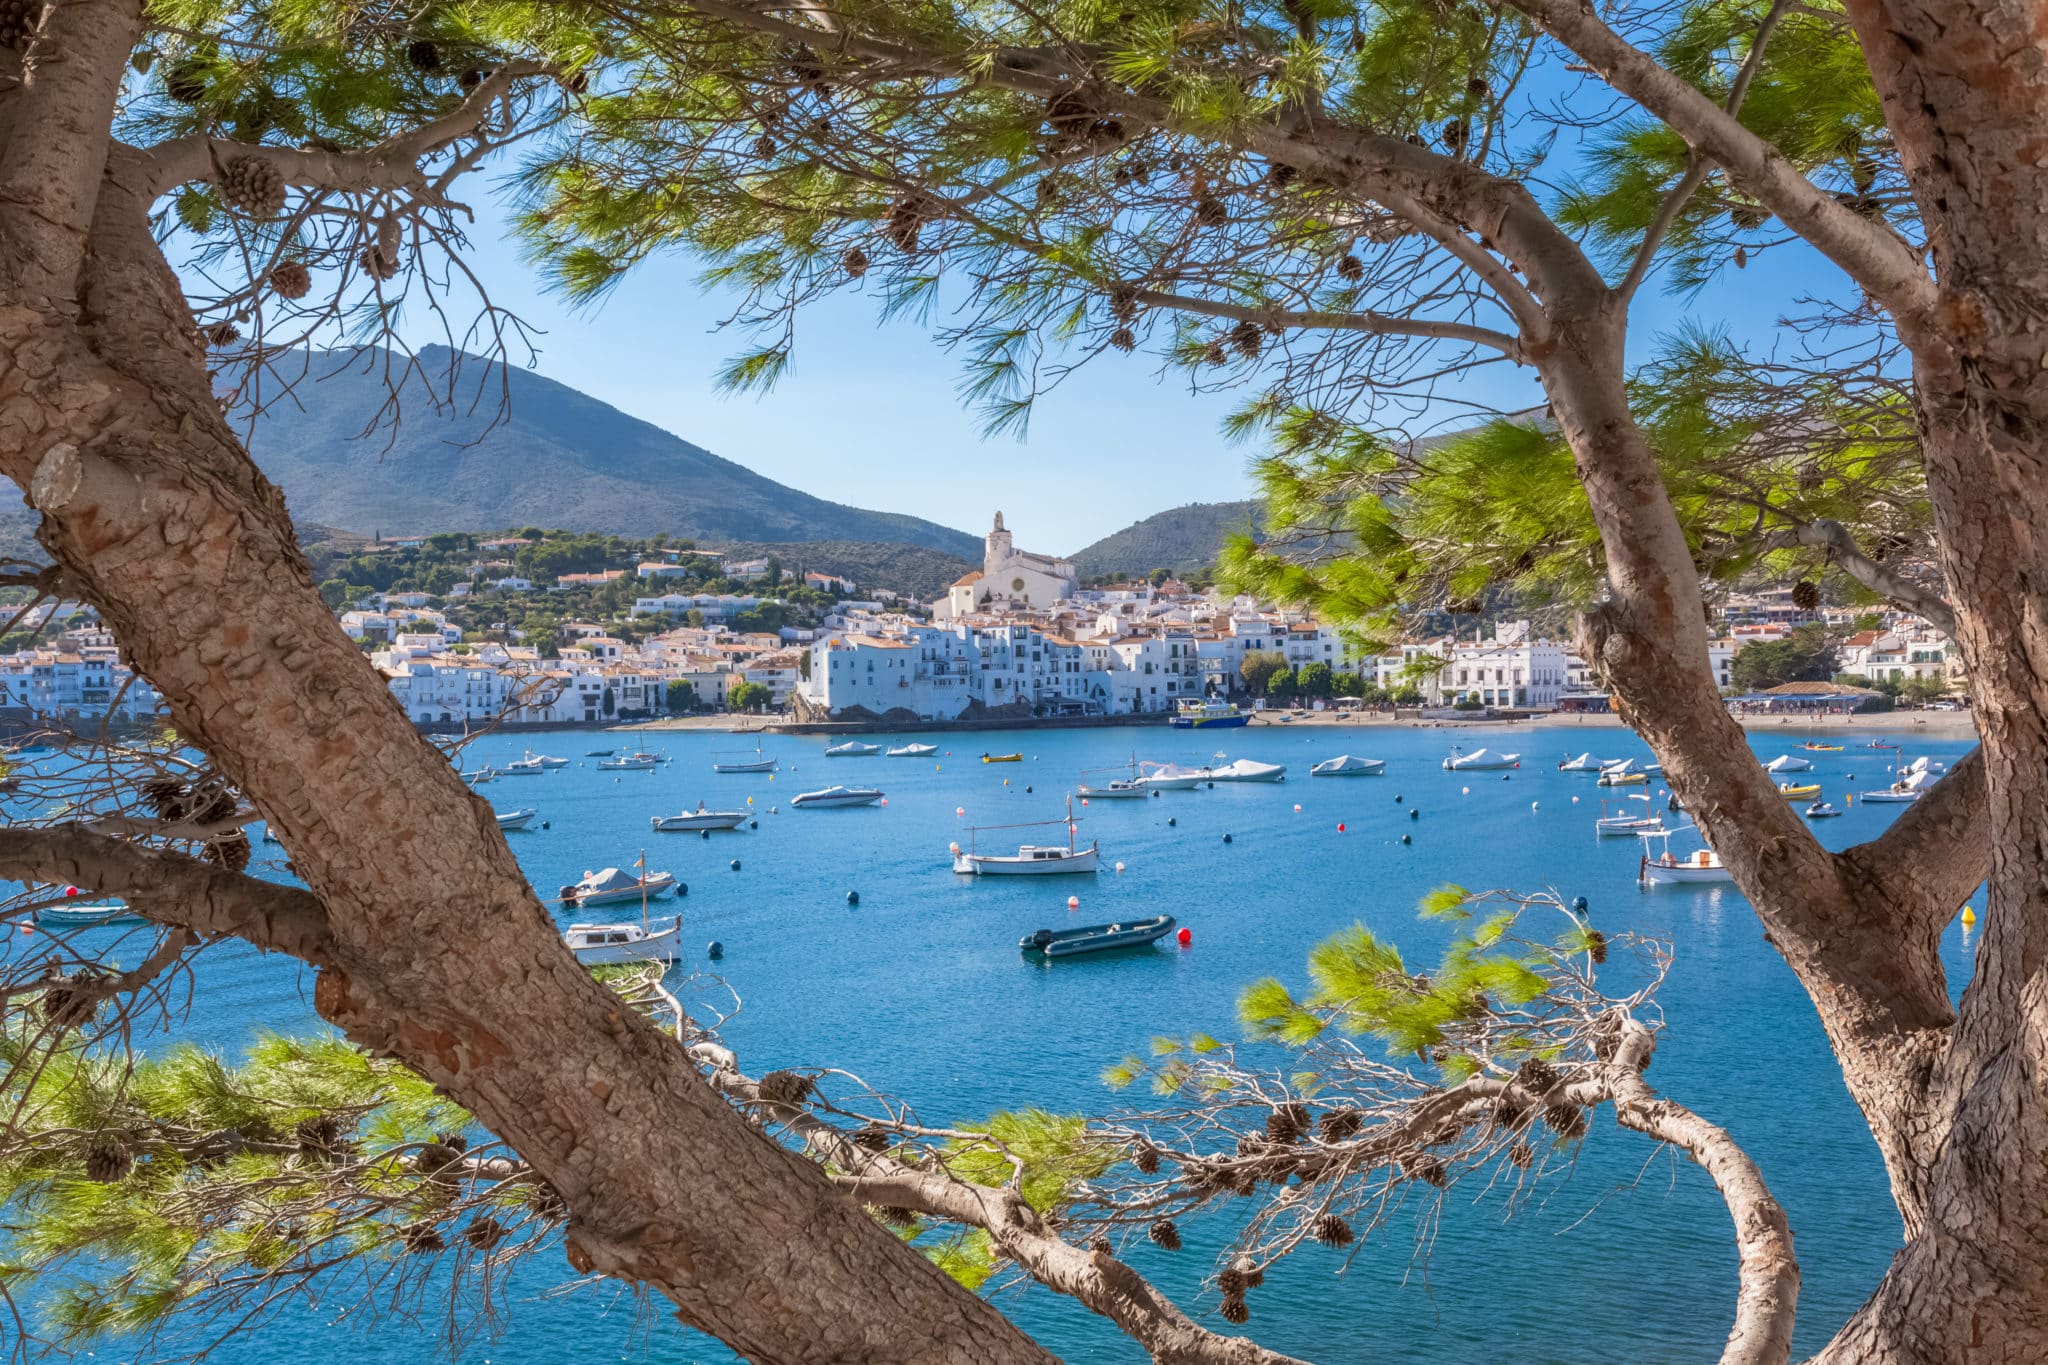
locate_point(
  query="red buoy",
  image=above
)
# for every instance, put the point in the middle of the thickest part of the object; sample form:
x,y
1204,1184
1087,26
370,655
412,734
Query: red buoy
x,y
1184,937
1340,829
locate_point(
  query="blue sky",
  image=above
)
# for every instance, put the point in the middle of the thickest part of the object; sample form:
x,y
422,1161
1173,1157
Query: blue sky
x,y
869,415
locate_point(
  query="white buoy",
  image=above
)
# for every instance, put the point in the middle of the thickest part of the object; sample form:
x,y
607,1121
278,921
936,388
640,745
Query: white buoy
x,y
1464,791
1119,867
1533,806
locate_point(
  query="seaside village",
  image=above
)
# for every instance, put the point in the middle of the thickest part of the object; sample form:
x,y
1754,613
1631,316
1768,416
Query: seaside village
x,y
1018,638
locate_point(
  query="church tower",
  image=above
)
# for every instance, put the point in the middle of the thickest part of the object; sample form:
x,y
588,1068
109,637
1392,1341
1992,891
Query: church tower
x,y
999,548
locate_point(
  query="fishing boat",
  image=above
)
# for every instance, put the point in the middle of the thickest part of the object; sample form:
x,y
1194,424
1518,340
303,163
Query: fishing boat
x,y
1668,868
613,944
1117,788
614,885
1788,763
1822,749
837,796
853,748
1821,810
1794,791
632,762
522,767
1191,714
693,820
912,751
85,916
1030,860
739,761
516,819
1627,823
1097,938
1169,777
1002,758
544,760
1584,763
1481,760
1349,765
1249,770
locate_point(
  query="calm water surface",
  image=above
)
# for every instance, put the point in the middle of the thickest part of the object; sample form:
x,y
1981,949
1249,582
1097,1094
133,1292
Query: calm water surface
x,y
921,990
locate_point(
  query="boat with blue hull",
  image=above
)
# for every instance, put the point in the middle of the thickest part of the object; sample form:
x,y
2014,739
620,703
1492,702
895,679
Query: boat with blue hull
x,y
1208,715
1097,938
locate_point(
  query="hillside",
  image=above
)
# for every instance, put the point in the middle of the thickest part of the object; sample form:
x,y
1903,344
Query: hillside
x,y
557,458
916,571
1183,540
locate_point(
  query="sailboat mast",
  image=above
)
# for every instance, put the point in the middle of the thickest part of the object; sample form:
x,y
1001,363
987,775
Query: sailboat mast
x,y
642,865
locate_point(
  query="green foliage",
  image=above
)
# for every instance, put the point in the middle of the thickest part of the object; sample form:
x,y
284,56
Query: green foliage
x,y
1057,1151
1806,655
745,696
681,695
1283,685
1258,669
1314,680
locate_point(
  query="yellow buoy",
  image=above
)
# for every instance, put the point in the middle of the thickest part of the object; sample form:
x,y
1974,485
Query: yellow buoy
x,y
1969,917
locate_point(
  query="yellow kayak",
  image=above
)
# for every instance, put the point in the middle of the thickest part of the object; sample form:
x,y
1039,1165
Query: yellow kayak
x,y
1823,748
1002,758
1805,793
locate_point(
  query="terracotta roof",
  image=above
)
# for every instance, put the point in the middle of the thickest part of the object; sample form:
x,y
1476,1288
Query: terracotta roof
x,y
968,579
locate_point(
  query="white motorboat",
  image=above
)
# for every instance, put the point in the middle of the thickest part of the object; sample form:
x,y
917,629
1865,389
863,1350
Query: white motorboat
x,y
692,820
1481,760
1924,764
545,760
1584,763
1169,777
610,944
633,762
516,819
1349,765
523,767
912,751
1788,763
1626,773
737,761
1821,810
1672,869
838,796
75,916
1906,790
853,748
477,777
1248,770
1115,789
614,886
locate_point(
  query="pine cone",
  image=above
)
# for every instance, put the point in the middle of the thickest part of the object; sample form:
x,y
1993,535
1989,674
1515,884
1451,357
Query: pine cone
x,y
871,1139
1164,1234
421,1238
376,264
1522,1155
231,852
1478,88
1748,217
1333,1231
1281,174
785,1088
1231,1282
1537,1076
253,186
1428,1169
1568,1121
1339,1124
291,280
1253,1276
223,334
1351,268
1123,339
1454,134
1215,354
1123,303
485,1233
1101,1247
1247,339
1596,946
1146,1160
319,1136
1806,594
423,56
185,81
166,796
70,1002
855,262
1211,212
1288,1122
18,21
1234,1310
896,1216
906,220
764,146
108,1162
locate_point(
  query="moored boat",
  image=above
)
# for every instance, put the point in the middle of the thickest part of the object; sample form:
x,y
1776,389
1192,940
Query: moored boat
x,y
1821,810
743,761
853,748
912,751
631,762
614,886
522,767
700,818
1119,788
1627,823
1191,714
1788,763
1481,760
613,944
1670,869
1623,774
1584,763
1249,770
1030,860
85,916
837,796
1793,791
545,760
1002,758
516,819
1349,765
1170,777
1096,938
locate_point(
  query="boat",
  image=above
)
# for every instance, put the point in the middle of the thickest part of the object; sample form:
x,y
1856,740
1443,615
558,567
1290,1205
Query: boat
x,y
1821,810
633,762
912,751
700,818
1097,938
1788,763
1170,777
1348,765
477,777
853,748
545,761
1608,826
1249,770
613,885
515,819
1481,760
736,761
1623,774
1030,860
1002,758
1668,868
1118,788
1890,795
1794,791
71,916
1207,715
522,767
1822,748
837,796
612,944
599,753
1923,764
1584,763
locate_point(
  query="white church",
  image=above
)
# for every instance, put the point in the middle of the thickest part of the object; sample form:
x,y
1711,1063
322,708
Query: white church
x,y
1009,578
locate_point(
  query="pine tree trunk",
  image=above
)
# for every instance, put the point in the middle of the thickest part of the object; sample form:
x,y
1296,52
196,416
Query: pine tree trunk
x,y
443,957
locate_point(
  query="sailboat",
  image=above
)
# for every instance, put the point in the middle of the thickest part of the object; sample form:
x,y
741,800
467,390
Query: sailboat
x,y
736,761
611,944
1627,822
1030,860
1115,787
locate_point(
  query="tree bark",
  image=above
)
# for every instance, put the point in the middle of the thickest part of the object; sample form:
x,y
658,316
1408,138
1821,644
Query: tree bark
x,y
442,955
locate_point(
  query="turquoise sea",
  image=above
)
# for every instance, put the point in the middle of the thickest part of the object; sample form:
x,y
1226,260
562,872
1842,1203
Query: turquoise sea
x,y
921,990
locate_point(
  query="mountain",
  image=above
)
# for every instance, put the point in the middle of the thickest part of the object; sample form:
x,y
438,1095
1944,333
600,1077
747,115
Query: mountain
x,y
552,457
916,571
1183,540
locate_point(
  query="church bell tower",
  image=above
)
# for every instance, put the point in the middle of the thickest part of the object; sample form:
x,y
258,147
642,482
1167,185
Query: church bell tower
x,y
998,548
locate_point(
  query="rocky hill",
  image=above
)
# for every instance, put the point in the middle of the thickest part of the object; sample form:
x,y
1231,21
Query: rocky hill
x,y
1183,540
